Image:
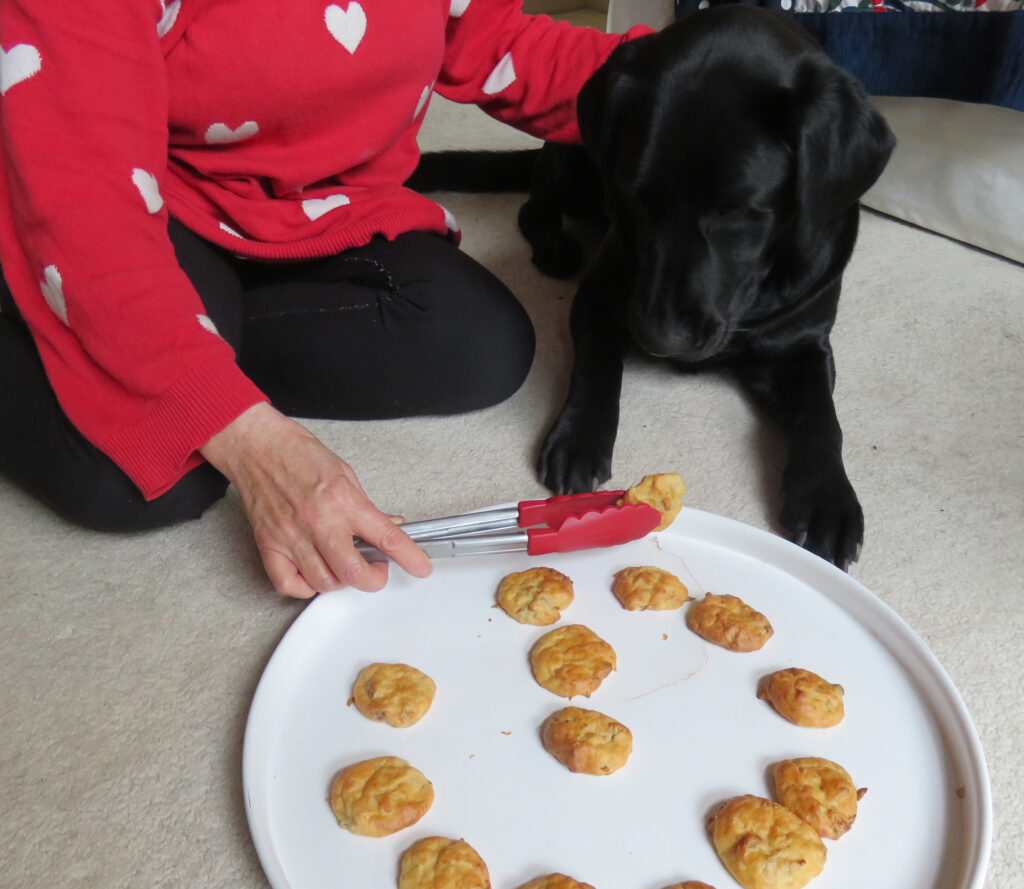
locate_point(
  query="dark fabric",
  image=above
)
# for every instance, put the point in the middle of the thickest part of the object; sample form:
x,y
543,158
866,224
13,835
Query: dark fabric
x,y
967,56
398,328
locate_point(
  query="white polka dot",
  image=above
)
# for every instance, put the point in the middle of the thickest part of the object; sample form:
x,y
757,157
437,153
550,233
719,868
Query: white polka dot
x,y
52,286
457,8
219,133
786,4
18,63
314,208
149,189
224,227
449,219
704,4
169,17
206,323
503,75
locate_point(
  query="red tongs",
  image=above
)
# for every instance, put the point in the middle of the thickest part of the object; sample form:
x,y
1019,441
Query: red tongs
x,y
571,522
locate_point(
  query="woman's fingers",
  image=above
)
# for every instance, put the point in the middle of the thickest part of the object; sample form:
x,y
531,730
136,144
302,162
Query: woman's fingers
x,y
380,531
285,577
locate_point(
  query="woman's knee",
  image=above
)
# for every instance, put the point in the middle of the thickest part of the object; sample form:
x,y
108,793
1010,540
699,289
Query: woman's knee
x,y
484,338
110,502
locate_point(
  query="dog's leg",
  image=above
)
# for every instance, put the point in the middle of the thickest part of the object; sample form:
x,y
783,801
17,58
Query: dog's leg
x,y
576,454
820,508
555,252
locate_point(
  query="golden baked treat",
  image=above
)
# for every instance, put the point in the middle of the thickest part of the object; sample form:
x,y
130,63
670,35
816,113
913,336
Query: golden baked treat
x,y
819,791
728,621
571,660
535,596
380,796
690,884
586,741
393,693
663,491
647,587
555,881
765,846
804,697
442,863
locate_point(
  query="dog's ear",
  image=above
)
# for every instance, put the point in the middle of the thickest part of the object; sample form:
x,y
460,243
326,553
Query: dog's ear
x,y
609,109
842,145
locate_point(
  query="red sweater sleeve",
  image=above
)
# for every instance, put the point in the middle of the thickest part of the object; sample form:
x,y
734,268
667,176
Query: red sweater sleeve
x,y
83,235
524,70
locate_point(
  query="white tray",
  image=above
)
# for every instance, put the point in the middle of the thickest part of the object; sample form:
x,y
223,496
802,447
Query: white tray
x,y
700,734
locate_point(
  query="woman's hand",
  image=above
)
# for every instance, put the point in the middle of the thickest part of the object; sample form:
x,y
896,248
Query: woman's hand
x,y
305,505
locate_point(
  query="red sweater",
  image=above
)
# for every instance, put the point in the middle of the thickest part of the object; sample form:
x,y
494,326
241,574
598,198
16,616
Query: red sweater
x,y
279,129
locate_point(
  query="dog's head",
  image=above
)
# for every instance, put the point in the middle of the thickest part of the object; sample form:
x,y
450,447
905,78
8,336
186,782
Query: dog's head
x,y
733,152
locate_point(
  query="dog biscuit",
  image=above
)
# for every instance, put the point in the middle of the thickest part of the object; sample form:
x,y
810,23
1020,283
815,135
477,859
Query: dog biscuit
x,y
393,693
380,796
647,587
765,846
586,741
819,791
728,621
690,884
663,491
571,660
442,863
555,881
536,596
804,697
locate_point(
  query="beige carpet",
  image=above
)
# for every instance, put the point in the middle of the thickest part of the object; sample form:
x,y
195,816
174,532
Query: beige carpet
x,y
129,662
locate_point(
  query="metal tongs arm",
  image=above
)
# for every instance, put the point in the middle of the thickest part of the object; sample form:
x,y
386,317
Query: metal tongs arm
x,y
571,522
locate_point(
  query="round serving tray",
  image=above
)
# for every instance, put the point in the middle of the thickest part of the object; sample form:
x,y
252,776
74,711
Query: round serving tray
x,y
700,734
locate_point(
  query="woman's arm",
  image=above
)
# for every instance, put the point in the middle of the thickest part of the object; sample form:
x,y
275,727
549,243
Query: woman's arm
x,y
525,70
128,350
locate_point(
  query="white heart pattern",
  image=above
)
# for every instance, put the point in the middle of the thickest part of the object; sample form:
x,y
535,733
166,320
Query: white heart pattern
x,y
149,189
221,132
423,100
457,8
52,286
503,75
224,227
18,63
347,26
314,208
206,323
169,17
449,219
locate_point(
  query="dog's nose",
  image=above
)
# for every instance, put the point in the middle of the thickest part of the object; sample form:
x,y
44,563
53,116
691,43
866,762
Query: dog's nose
x,y
695,336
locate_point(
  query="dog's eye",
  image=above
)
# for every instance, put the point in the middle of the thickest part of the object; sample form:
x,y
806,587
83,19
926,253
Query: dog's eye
x,y
744,234
746,222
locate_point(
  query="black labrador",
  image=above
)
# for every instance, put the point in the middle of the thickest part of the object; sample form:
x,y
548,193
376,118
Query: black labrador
x,y
728,156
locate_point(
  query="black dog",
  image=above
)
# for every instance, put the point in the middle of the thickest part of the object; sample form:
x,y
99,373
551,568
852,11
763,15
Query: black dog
x,y
731,155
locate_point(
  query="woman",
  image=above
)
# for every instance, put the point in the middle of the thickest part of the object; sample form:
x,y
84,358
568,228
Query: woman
x,y
203,232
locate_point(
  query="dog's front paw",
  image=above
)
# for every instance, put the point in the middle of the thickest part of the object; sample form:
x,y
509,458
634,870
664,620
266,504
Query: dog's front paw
x,y
821,513
559,257
572,461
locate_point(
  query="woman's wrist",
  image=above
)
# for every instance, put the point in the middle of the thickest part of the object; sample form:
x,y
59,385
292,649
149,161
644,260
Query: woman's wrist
x,y
239,436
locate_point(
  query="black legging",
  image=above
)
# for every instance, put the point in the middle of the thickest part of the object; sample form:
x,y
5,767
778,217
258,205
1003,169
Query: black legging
x,y
399,328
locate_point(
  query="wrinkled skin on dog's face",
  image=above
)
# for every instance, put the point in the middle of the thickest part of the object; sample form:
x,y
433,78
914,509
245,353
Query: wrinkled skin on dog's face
x,y
732,154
